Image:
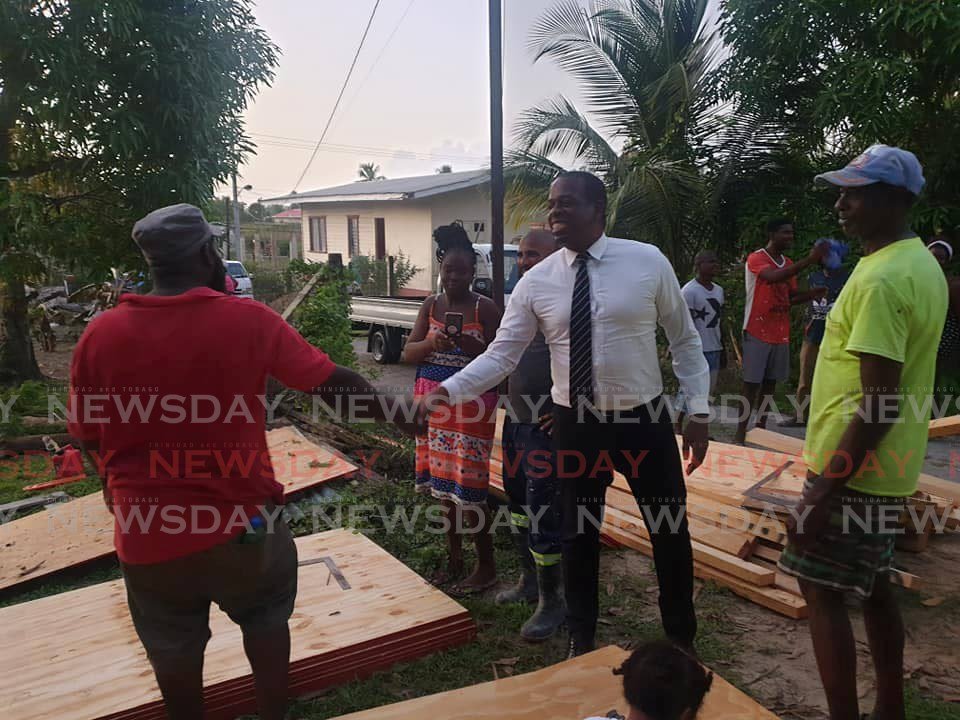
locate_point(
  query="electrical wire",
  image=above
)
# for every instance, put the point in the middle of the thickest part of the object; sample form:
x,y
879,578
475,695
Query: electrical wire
x,y
303,143
379,56
340,96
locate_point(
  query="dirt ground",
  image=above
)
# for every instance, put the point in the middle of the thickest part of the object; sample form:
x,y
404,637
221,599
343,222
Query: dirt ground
x,y
56,364
773,656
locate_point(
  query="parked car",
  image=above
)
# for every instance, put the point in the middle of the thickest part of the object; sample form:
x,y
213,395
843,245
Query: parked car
x,y
240,275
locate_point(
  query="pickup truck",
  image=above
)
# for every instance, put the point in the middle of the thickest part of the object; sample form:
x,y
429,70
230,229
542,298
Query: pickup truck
x,y
389,320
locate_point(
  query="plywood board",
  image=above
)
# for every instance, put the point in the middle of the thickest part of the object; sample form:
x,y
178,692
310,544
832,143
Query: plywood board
x,y
575,689
81,531
75,656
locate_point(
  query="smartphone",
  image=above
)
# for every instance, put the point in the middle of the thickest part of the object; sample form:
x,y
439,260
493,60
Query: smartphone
x,y
453,325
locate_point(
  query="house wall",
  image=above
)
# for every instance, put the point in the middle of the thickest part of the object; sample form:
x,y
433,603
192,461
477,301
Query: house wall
x,y
407,228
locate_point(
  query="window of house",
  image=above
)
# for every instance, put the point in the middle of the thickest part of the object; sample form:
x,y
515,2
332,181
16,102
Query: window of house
x,y
380,237
318,234
353,235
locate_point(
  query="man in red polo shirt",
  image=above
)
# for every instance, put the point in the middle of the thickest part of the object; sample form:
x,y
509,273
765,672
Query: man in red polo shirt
x,y
179,421
771,279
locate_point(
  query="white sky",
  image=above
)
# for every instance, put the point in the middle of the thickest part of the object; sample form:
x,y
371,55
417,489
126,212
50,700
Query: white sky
x,y
428,93
425,92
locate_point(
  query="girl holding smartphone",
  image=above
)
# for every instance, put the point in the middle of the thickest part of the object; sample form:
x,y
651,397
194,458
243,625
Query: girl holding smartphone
x,y
453,459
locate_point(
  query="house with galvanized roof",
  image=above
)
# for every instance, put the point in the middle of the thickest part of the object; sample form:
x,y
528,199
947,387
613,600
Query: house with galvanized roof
x,y
385,217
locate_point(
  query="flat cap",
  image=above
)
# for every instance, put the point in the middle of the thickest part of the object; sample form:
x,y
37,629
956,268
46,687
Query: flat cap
x,y
172,233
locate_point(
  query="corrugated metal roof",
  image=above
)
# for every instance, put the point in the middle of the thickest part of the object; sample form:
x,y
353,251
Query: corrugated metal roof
x,y
391,188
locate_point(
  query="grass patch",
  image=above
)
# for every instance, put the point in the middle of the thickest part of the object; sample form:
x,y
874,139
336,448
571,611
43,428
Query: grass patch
x,y
110,571
926,708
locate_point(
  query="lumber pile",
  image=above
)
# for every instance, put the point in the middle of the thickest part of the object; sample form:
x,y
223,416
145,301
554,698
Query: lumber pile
x,y
736,505
75,656
79,532
578,688
724,534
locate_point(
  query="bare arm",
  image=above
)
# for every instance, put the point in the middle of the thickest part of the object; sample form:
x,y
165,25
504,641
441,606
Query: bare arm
x,y
418,345
778,275
352,394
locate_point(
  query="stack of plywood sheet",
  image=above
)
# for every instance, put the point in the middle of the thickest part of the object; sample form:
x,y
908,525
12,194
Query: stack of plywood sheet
x,y
75,656
79,532
736,505
575,689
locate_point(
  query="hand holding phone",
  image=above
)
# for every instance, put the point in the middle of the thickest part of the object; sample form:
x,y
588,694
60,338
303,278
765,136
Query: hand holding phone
x,y
453,326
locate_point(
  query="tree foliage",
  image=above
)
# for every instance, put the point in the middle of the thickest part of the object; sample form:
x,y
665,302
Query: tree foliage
x,y
372,273
840,76
324,317
108,110
653,125
369,171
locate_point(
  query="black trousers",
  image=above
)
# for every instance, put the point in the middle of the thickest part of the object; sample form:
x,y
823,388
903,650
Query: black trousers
x,y
640,444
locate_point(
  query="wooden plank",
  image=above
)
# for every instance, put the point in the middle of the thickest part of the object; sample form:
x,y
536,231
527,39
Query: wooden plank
x,y
776,441
705,554
788,583
771,598
733,542
84,641
945,426
301,296
786,444
578,688
765,552
719,513
81,531
905,580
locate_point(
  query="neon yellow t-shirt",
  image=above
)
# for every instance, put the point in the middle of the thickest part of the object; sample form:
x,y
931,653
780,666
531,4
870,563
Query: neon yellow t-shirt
x,y
893,305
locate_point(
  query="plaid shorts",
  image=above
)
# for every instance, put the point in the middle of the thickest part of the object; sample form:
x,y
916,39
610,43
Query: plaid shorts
x,y
854,548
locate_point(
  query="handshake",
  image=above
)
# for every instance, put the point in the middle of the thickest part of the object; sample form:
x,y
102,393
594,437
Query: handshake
x,y
413,418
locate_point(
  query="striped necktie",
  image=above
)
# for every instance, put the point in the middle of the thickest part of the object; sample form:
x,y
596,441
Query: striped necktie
x,y
581,336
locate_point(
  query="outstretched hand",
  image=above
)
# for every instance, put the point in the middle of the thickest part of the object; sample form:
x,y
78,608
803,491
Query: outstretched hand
x,y
424,405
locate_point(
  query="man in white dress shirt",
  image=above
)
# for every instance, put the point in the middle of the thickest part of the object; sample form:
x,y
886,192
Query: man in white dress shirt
x,y
598,302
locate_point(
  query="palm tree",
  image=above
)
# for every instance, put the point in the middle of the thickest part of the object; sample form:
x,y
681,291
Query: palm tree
x,y
369,171
648,75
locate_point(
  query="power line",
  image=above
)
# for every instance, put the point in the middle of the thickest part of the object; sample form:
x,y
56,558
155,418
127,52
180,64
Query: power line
x,y
303,143
379,56
340,96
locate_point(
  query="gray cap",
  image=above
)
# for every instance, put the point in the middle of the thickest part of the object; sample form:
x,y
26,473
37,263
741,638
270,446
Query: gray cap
x,y
172,233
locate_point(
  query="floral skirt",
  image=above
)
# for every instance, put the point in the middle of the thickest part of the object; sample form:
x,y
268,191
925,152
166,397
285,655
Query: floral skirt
x,y
453,459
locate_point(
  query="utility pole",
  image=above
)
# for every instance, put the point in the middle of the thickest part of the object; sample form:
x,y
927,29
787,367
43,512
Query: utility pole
x,y
236,219
496,147
226,222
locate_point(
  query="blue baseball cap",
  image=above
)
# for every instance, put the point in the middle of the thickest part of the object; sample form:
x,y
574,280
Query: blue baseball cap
x,y
879,163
